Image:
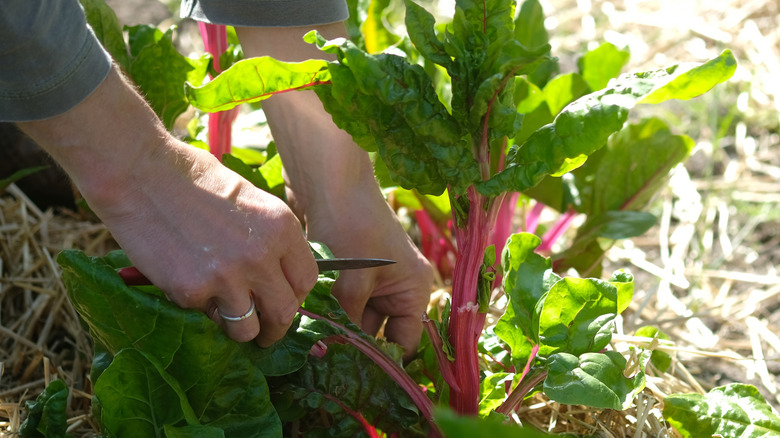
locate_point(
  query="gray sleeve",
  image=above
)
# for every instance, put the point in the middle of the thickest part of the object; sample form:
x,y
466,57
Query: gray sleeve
x,y
266,13
49,58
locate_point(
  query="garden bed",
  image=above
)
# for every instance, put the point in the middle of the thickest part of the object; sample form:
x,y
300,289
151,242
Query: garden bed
x,y
705,274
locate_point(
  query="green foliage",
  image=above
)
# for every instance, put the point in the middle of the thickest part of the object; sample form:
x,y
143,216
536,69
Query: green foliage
x,y
267,177
584,126
194,366
166,371
47,414
150,59
455,426
571,322
592,379
730,411
475,109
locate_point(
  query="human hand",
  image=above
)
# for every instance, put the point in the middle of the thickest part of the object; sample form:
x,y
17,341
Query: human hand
x,y
212,242
361,224
204,235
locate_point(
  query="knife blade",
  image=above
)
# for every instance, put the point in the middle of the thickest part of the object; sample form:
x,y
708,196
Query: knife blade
x,y
133,277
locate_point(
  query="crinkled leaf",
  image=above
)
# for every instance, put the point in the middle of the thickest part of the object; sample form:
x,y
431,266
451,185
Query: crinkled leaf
x,y
593,379
420,27
47,415
160,70
390,106
223,379
615,183
735,410
598,66
577,316
254,80
631,168
583,126
345,383
531,32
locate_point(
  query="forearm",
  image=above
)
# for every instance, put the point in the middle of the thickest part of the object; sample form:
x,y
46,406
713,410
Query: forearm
x,y
101,141
322,163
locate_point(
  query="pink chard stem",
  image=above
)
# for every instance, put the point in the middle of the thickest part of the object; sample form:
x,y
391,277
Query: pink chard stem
x,y
555,233
532,219
220,123
466,322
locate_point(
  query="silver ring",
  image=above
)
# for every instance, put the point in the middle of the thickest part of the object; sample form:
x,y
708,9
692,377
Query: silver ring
x,y
248,313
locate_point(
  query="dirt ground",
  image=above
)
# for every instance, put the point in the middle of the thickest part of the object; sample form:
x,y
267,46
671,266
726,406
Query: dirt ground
x,y
706,274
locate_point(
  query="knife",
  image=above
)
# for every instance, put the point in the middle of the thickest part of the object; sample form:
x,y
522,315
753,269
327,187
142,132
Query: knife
x,y
133,277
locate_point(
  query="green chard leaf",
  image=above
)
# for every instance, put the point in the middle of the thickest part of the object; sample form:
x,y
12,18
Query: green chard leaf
x,y
159,70
530,32
349,387
584,126
254,80
104,22
616,183
592,379
735,410
390,106
577,316
458,426
222,380
47,414
420,26
527,278
134,383
598,66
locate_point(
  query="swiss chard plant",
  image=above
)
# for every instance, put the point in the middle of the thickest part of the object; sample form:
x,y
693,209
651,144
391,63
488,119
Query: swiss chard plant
x,y
474,146
472,117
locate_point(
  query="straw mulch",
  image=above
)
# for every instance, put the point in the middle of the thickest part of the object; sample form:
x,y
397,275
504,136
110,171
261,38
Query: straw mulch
x,y
40,335
706,274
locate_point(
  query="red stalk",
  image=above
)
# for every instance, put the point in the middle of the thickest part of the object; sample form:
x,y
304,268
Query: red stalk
x,y
532,219
434,244
516,397
220,123
555,233
392,369
368,427
466,322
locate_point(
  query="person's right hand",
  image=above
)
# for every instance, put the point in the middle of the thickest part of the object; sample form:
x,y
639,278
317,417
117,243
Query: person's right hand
x,y
208,238
212,241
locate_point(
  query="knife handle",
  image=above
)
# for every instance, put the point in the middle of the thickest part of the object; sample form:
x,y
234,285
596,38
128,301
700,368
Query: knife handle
x,y
133,277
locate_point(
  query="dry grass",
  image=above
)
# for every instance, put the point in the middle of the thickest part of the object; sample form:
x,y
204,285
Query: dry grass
x,y
706,274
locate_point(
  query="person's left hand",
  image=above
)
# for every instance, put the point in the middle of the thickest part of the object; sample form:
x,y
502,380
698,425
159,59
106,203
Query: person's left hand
x,y
362,224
